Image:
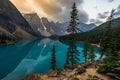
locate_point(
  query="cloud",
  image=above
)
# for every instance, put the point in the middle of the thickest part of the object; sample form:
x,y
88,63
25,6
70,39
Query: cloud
x,y
103,15
83,16
96,21
22,5
96,7
92,20
110,0
117,13
58,10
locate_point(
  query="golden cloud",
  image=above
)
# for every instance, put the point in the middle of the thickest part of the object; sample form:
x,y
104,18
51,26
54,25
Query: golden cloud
x,y
52,9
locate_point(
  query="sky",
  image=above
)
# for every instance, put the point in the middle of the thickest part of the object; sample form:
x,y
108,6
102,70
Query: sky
x,y
90,11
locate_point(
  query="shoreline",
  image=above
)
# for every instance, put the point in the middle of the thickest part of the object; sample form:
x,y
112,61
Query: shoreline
x,y
81,71
8,43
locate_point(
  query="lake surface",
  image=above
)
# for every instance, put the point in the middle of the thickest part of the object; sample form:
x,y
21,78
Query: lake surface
x,y
27,56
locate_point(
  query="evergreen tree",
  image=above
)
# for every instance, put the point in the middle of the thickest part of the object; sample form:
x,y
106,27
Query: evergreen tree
x,y
53,58
72,54
86,49
118,43
106,39
112,59
91,54
72,28
67,57
114,51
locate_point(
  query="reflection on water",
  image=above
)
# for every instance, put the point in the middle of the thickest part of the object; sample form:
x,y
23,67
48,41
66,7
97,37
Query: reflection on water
x,y
20,59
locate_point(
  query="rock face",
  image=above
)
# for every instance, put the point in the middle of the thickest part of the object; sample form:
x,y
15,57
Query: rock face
x,y
47,28
44,27
11,18
3,31
35,22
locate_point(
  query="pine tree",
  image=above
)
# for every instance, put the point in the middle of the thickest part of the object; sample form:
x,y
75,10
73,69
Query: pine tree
x,y
67,57
91,54
86,49
112,60
106,39
72,28
53,58
72,54
118,43
110,45
113,51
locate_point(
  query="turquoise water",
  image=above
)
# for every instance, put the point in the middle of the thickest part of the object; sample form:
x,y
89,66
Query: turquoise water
x,y
27,56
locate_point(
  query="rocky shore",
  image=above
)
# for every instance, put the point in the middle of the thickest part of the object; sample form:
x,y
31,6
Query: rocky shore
x,y
85,71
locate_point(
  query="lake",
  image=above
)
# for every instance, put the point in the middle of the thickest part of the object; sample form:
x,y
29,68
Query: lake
x,y
24,57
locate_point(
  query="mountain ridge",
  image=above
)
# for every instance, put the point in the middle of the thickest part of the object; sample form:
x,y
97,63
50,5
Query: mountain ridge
x,y
10,17
49,28
97,33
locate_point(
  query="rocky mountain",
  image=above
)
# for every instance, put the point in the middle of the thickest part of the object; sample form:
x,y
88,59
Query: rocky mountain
x,y
34,21
48,28
11,19
44,27
6,36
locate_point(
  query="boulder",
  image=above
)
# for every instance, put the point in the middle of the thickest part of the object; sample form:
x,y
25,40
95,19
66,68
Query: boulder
x,y
80,70
67,66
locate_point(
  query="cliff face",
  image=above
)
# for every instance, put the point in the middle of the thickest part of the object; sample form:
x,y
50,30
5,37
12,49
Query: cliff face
x,y
35,22
11,18
48,28
41,25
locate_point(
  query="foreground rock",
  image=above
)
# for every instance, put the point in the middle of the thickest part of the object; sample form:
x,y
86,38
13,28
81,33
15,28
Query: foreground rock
x,y
78,72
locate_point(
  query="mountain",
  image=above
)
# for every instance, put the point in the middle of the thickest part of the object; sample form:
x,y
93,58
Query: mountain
x,y
96,34
11,19
54,28
29,25
49,28
86,27
44,27
5,36
115,24
34,21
